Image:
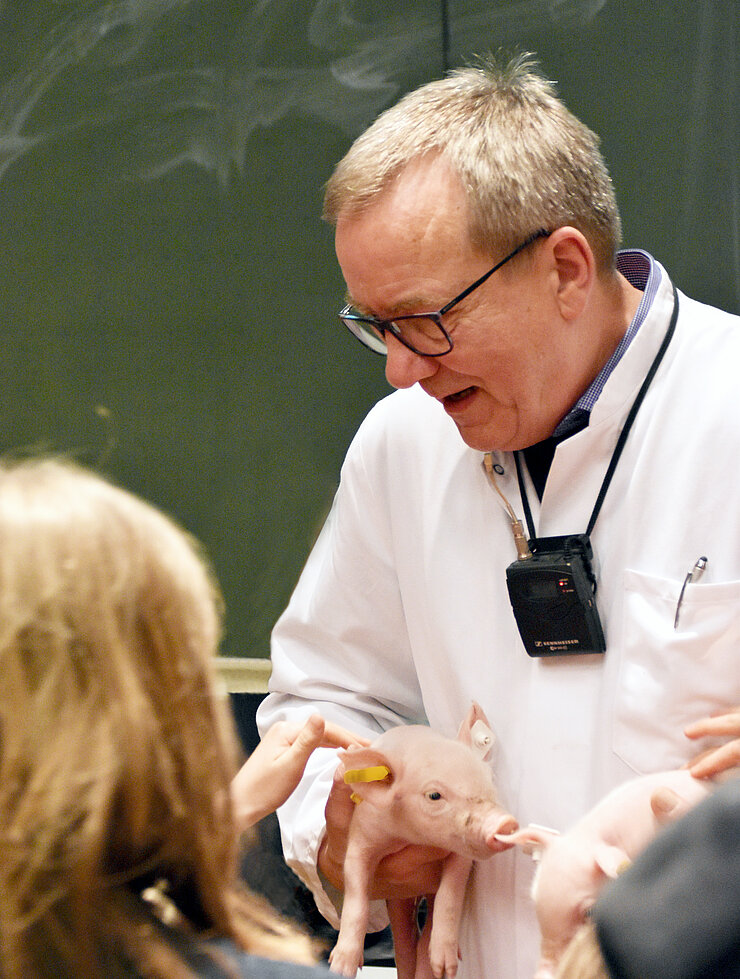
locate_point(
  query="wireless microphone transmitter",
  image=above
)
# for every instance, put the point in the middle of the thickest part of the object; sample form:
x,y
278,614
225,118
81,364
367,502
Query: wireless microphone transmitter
x,y
553,597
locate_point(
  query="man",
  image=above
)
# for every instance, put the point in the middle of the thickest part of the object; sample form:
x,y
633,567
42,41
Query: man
x,y
480,201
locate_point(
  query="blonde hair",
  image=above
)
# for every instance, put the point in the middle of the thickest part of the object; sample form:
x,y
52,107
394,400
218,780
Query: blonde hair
x,y
524,160
116,755
582,958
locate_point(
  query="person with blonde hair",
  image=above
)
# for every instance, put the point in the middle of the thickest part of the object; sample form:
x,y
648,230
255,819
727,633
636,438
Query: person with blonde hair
x,y
540,518
118,837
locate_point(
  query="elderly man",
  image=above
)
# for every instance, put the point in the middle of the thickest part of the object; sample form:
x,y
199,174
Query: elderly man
x,y
547,382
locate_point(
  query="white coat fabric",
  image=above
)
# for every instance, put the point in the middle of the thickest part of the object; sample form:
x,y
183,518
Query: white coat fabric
x,y
402,612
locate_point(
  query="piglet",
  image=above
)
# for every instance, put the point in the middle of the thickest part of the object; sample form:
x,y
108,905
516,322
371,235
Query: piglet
x,y
573,868
415,786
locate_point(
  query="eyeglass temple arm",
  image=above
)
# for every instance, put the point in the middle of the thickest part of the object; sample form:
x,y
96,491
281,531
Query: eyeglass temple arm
x,y
479,282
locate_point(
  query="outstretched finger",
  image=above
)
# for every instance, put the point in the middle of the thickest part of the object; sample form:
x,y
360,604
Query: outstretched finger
x,y
339,737
309,737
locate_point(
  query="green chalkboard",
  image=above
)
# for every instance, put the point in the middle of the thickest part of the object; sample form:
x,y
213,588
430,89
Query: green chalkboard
x,y
169,294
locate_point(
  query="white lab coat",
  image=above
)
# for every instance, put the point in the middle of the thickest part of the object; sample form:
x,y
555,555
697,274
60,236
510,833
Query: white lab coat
x,y
402,612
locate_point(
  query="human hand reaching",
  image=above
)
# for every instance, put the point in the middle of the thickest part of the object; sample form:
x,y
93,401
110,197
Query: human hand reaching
x,y
276,766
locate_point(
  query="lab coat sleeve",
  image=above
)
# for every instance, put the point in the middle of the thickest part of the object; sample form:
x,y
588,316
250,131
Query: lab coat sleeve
x,y
675,914
341,647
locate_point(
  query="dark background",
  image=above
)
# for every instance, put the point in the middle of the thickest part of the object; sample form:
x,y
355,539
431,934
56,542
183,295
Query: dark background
x,y
169,294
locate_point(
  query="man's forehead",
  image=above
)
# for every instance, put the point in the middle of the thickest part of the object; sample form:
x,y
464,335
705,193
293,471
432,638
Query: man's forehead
x,y
415,217
424,187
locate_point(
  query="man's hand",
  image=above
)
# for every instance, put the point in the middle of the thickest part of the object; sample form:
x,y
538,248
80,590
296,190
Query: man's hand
x,y
726,756
276,765
409,872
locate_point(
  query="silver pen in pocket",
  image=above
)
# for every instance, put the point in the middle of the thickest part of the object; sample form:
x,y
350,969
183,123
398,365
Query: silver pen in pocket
x,y
696,572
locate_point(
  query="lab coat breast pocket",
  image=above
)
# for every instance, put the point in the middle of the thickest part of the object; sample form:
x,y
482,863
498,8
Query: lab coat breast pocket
x,y
670,676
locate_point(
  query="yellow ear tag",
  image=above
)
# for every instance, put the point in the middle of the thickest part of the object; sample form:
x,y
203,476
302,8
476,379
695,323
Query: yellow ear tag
x,y
376,773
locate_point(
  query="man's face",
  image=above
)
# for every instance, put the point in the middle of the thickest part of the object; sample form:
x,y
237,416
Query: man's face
x,y
505,383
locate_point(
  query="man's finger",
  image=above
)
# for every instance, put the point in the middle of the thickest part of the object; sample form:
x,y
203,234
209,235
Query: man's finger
x,y
717,761
714,726
724,722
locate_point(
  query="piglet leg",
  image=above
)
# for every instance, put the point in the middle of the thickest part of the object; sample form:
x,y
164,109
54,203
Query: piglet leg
x,y
402,915
347,955
445,915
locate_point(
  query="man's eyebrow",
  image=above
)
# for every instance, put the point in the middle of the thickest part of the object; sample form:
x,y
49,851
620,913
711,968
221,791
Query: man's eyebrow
x,y
359,307
411,305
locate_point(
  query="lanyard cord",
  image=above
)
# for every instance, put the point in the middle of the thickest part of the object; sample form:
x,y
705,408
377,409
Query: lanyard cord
x,y
622,435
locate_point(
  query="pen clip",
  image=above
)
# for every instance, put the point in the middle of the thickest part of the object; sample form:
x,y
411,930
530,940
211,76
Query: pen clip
x,y
696,572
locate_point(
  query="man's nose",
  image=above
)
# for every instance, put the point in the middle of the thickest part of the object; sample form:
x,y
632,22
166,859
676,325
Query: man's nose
x,y
403,367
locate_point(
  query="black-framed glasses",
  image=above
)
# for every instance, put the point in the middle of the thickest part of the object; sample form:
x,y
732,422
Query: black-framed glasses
x,y
423,333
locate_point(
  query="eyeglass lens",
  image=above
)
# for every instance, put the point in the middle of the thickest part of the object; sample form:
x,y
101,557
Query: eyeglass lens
x,y
422,334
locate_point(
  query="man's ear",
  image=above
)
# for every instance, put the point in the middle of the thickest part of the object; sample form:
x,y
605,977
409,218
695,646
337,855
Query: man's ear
x,y
574,270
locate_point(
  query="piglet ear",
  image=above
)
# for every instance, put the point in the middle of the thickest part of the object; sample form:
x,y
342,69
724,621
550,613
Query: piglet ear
x,y
611,860
532,839
476,733
667,805
368,772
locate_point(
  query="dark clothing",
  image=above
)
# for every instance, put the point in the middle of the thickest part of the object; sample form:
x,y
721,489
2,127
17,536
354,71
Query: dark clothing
x,y
675,914
253,967
221,958
539,456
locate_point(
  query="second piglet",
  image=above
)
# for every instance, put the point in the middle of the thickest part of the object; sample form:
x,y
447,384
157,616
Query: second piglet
x,y
415,786
574,866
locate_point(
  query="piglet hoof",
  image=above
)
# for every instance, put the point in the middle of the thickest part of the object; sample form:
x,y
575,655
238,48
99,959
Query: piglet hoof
x,y
444,960
344,962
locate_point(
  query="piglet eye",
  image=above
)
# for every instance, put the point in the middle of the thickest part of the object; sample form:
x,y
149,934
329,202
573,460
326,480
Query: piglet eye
x,y
434,796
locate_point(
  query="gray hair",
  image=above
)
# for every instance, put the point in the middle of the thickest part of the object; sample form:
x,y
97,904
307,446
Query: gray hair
x,y
524,159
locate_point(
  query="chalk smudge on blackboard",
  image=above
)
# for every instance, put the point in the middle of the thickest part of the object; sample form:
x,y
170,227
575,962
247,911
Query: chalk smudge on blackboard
x,y
152,69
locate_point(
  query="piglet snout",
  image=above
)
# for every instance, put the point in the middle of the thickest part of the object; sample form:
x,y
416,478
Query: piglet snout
x,y
497,828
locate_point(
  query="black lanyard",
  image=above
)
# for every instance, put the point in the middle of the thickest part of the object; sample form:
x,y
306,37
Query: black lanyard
x,y
622,435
